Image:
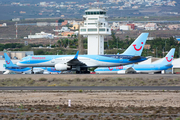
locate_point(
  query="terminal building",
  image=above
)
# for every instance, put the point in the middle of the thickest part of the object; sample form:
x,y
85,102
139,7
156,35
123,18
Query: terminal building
x,y
96,28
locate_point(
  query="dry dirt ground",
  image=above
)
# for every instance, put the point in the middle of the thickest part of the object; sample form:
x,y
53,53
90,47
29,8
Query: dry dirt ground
x,y
90,105
106,99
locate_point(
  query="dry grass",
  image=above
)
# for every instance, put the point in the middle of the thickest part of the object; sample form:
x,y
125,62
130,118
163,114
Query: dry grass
x,y
163,81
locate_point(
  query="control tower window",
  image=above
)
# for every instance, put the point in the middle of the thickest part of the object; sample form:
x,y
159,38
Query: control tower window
x,y
92,18
101,29
95,13
92,23
92,30
101,12
83,30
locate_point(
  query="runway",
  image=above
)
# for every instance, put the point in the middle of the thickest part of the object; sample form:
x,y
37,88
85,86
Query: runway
x,y
102,88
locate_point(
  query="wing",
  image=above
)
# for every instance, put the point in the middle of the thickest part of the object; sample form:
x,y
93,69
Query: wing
x,y
75,61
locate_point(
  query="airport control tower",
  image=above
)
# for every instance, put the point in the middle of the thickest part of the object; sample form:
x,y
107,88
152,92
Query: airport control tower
x,y
95,27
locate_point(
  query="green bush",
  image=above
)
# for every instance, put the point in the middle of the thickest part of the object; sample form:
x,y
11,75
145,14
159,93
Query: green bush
x,y
31,82
42,79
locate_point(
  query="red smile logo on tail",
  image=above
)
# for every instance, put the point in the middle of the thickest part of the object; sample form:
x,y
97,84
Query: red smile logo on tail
x,y
170,59
110,68
136,48
7,62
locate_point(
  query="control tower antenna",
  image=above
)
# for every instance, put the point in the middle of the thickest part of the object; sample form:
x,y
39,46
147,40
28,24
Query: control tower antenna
x,y
57,27
16,30
97,3
80,42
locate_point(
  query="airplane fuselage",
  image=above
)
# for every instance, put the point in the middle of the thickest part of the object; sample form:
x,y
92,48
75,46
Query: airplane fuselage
x,y
88,60
138,68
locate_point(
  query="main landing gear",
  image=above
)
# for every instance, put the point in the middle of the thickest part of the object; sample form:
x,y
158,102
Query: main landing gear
x,y
32,71
83,71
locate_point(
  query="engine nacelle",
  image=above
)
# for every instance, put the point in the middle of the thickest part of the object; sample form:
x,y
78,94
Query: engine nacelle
x,y
62,67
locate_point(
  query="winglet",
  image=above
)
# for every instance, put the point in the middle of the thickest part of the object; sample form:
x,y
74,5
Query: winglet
x,y
8,61
76,56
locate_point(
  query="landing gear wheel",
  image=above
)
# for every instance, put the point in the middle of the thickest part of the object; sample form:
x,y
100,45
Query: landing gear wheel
x,y
32,71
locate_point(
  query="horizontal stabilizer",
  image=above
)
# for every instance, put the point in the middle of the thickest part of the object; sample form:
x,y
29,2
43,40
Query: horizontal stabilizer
x,y
168,65
135,58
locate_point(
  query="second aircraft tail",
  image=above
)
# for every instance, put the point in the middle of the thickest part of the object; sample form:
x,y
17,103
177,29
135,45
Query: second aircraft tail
x,y
168,58
8,61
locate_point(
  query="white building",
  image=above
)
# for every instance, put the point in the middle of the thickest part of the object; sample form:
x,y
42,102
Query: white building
x,y
63,29
176,66
96,28
41,35
3,25
124,27
151,26
42,24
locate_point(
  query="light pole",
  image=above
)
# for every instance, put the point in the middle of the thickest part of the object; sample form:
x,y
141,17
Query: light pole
x,y
156,52
179,51
163,51
117,44
165,46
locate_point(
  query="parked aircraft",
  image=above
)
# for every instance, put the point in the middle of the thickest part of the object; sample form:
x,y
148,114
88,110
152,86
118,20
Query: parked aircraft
x,y
10,67
80,63
157,66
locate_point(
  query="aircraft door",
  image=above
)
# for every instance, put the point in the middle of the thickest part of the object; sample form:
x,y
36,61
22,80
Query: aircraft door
x,y
29,59
53,60
121,60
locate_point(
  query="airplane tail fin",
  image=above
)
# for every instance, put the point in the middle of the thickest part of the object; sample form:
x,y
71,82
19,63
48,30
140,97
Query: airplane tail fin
x,y
8,61
168,58
137,46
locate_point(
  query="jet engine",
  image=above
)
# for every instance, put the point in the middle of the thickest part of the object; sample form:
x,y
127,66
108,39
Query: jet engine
x,y
62,67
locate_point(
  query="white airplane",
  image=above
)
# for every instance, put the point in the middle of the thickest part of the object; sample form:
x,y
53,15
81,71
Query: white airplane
x,y
163,64
82,62
12,68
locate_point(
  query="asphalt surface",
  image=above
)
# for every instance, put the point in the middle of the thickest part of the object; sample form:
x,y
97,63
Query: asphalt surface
x,y
94,88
